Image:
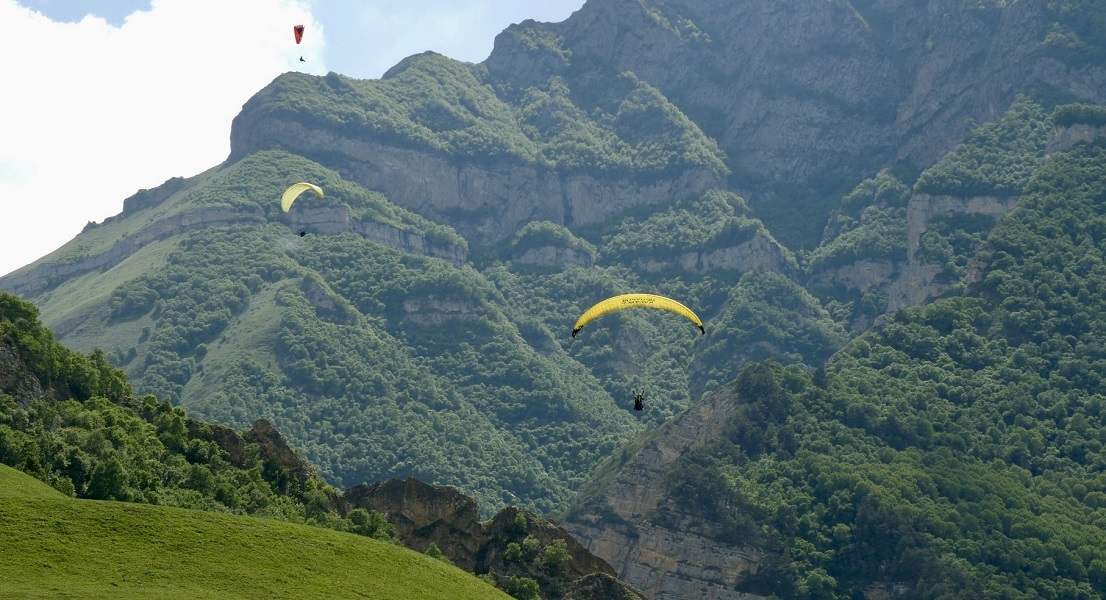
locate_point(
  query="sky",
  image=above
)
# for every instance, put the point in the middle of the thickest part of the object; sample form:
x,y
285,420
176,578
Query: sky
x,y
98,106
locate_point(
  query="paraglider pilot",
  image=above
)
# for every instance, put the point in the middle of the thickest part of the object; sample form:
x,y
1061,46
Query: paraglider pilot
x,y
639,398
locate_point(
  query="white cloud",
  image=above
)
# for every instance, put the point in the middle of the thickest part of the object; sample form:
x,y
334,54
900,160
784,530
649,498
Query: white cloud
x,y
92,113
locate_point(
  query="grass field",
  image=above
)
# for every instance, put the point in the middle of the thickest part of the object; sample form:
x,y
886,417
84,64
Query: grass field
x,y
52,546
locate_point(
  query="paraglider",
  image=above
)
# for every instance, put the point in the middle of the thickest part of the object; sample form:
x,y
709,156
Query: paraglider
x,y
639,399
294,192
632,301
298,31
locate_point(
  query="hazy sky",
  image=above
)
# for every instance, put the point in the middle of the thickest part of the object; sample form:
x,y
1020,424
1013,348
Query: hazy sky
x,y
98,106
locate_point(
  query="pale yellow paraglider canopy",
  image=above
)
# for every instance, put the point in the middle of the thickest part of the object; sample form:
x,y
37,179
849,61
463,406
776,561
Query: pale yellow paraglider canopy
x,y
294,192
634,301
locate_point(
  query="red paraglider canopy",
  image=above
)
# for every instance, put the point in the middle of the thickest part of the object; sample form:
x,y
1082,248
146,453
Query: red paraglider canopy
x,y
298,29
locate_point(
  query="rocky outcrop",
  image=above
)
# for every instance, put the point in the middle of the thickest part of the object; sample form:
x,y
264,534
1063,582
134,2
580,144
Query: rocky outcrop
x,y
275,449
433,310
760,252
32,281
600,586
552,257
1064,138
150,198
226,438
425,514
802,90
917,280
332,220
504,528
862,275
16,379
664,562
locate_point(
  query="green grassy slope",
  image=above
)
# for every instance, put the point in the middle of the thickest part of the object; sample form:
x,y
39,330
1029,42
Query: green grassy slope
x,y
52,546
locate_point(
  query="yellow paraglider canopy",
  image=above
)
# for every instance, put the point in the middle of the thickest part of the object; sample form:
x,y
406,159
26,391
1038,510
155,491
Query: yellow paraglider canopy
x,y
632,301
294,192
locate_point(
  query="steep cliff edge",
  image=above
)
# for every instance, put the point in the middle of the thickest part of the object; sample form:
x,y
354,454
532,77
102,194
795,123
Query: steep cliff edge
x,y
616,519
485,202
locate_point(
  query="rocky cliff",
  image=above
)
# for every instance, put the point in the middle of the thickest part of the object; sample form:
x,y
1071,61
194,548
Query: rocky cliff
x,y
616,519
798,90
484,202
16,380
513,544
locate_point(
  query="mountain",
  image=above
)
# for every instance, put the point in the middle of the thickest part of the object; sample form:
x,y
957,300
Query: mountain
x,y
802,173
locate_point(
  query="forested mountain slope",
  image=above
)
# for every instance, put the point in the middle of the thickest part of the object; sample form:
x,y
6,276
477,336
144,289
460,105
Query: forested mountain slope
x,y
792,171
954,450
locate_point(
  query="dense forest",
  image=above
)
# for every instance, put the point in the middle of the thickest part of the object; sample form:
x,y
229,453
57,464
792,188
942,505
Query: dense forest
x,y
972,427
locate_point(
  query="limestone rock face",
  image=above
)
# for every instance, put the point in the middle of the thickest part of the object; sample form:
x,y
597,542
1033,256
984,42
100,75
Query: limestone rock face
x,y
16,379
485,203
861,275
664,562
549,257
917,281
424,514
1063,138
433,310
759,252
275,448
798,90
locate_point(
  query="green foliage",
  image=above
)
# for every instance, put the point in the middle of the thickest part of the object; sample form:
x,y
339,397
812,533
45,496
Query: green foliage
x,y
554,555
523,588
956,449
351,327
372,524
766,316
1079,114
109,446
996,159
713,221
871,224
539,234
1077,32
61,370
433,551
953,242
880,234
